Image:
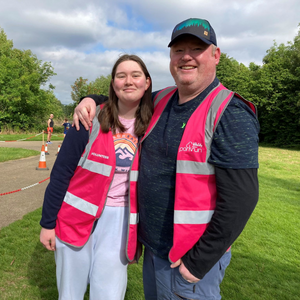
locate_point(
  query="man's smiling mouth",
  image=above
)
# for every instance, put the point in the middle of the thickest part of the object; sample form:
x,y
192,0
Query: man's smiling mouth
x,y
187,67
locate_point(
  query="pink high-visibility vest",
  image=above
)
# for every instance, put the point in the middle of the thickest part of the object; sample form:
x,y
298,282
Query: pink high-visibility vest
x,y
195,190
86,196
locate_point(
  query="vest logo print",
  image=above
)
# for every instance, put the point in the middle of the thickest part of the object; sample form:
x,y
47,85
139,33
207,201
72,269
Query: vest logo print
x,y
100,155
190,147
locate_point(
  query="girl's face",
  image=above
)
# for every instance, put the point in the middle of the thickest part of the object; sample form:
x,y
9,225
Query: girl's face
x,y
130,83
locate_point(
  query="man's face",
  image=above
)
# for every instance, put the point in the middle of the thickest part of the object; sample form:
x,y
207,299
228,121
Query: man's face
x,y
51,116
193,64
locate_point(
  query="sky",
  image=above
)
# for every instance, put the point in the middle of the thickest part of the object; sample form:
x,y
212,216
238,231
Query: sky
x,y
85,38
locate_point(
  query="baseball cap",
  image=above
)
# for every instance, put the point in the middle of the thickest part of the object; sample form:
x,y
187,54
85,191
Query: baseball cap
x,y
197,27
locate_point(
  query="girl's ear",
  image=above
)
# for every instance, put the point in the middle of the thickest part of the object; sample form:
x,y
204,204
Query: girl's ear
x,y
148,82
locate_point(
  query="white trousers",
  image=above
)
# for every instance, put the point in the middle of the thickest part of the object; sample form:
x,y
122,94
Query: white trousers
x,y
101,262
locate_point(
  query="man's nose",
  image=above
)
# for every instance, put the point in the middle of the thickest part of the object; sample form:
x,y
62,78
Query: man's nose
x,y
186,55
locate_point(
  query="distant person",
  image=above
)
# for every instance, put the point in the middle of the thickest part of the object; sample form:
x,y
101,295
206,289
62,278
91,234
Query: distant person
x,y
197,182
89,216
50,124
67,126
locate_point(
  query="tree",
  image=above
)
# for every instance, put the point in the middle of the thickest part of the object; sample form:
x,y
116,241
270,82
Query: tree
x,y
274,87
68,110
279,103
81,88
100,85
234,75
24,102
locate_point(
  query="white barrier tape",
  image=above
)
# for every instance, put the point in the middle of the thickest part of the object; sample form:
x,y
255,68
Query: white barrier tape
x,y
24,188
23,139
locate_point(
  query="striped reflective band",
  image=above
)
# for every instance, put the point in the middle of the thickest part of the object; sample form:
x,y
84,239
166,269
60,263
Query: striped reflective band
x,y
95,167
193,167
134,175
163,93
192,217
134,218
81,204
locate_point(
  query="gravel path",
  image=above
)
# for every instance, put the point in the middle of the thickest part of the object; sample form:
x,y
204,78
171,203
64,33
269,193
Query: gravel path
x,y
16,174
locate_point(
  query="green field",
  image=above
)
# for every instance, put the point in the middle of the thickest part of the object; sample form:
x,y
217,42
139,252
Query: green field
x,y
15,153
265,258
30,137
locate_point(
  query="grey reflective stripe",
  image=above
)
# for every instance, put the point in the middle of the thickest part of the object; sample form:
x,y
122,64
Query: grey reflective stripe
x,y
134,219
93,136
134,175
211,116
193,167
192,217
156,100
95,167
81,204
163,94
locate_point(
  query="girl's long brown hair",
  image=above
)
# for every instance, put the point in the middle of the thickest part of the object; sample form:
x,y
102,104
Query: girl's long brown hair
x,y
108,116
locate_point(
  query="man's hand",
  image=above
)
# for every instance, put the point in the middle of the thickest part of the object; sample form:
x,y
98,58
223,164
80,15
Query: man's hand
x,y
185,273
47,238
84,112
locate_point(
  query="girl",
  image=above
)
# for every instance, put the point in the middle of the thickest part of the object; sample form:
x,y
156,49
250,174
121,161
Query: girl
x,y
89,218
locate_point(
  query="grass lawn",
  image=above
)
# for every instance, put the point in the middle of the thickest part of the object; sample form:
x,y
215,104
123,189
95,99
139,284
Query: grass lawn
x,y
15,153
30,137
265,258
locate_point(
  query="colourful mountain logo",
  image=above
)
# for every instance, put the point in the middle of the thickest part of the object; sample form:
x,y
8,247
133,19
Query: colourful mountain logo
x,y
193,22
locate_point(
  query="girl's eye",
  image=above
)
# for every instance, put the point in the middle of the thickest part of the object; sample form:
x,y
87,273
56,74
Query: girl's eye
x,y
136,75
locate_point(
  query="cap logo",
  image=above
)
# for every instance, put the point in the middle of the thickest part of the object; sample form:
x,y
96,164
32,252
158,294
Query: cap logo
x,y
205,33
193,22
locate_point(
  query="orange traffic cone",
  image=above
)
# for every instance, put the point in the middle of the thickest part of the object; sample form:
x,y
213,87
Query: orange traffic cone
x,y
42,162
46,150
58,149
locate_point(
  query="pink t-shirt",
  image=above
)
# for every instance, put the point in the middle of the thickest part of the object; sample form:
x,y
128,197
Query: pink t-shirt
x,y
125,146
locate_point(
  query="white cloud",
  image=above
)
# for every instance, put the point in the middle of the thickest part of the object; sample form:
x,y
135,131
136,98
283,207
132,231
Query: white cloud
x,y
84,38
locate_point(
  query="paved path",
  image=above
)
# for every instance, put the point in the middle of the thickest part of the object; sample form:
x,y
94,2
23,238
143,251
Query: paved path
x,y
22,173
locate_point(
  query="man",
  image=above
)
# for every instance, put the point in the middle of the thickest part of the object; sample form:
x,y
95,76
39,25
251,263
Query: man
x,y
50,125
197,183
